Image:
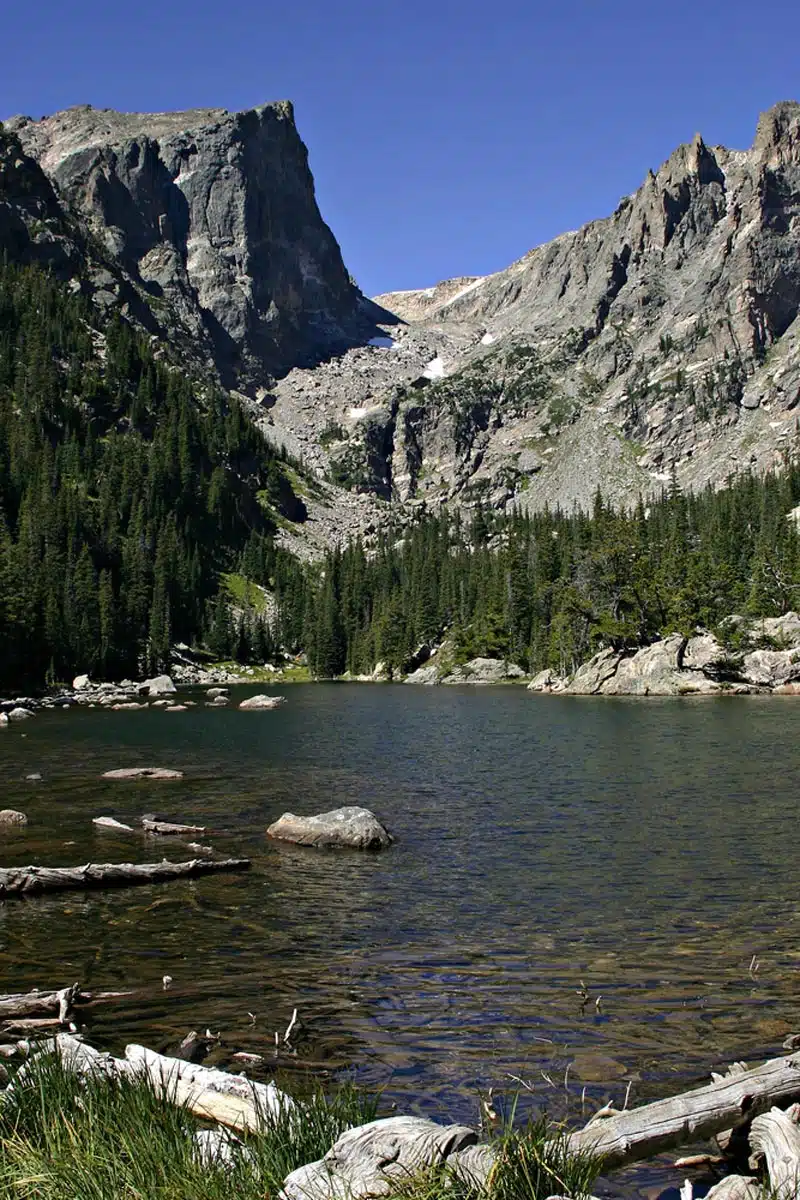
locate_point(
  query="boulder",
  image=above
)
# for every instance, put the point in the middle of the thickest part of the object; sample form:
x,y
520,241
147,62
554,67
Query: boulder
x,y
481,671
260,702
546,681
3,720
373,1159
142,773
80,682
215,692
10,817
352,827
771,668
159,685
19,714
428,675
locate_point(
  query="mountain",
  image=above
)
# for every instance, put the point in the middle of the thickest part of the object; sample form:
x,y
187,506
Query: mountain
x,y
211,219
661,340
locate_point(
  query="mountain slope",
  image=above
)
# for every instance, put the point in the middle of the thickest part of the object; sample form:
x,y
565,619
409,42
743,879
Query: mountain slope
x,y
664,338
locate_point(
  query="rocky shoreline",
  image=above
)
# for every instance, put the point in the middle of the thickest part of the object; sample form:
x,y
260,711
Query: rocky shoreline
x,y
761,657
755,658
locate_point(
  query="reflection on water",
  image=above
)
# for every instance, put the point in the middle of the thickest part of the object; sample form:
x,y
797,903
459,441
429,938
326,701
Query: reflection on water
x,y
645,848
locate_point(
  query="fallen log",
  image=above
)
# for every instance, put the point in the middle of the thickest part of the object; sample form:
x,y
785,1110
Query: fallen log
x,y
111,823
776,1136
692,1116
231,1100
153,825
24,1027
31,881
44,1004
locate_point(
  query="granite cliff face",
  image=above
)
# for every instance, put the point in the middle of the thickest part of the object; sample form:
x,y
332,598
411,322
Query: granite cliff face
x,y
212,217
663,339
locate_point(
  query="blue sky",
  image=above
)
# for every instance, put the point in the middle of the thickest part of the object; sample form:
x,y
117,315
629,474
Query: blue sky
x,y
446,137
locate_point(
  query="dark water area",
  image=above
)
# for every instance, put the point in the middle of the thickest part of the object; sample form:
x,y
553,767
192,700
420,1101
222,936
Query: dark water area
x,y
645,847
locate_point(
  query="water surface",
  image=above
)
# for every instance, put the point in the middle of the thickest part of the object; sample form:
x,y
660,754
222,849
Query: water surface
x,y
645,848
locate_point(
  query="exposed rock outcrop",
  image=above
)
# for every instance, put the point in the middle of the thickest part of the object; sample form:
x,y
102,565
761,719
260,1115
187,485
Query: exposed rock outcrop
x,y
211,216
699,665
351,827
662,338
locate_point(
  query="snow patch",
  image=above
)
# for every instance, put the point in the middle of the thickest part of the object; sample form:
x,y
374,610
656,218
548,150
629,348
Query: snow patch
x,y
355,414
487,339
435,369
382,343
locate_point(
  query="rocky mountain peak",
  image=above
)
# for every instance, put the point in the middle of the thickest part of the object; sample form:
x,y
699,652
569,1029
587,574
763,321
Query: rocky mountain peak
x,y
777,140
213,216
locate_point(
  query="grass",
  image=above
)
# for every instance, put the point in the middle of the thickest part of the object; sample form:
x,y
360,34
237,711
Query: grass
x,y
65,1138
244,593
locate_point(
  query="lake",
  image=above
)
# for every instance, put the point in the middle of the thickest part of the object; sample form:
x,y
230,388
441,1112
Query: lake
x,y
642,848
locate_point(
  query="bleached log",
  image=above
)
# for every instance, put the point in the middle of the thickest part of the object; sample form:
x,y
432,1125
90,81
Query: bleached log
x,y
776,1136
261,1100
44,1004
735,1187
31,881
153,825
112,823
692,1116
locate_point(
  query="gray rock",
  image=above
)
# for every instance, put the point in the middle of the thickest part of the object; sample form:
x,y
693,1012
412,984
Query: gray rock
x,y
3,720
427,675
215,693
80,682
262,702
351,827
214,212
19,714
143,773
484,671
373,1159
10,817
159,685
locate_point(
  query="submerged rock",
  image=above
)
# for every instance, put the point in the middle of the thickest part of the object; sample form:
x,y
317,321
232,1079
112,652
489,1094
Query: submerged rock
x,y
351,827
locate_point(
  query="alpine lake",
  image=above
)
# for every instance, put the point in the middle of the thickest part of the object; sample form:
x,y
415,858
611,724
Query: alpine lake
x,y
586,898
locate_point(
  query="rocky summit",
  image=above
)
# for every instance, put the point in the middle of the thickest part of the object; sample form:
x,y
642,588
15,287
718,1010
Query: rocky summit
x,y
661,342
204,225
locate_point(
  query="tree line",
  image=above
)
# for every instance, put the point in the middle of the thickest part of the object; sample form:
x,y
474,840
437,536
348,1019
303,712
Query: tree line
x,y
130,493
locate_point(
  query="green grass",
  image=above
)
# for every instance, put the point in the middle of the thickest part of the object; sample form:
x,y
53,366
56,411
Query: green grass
x,y
64,1138
244,593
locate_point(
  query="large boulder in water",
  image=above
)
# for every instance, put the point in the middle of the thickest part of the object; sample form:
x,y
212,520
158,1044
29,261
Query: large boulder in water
x,y
261,701
350,827
159,685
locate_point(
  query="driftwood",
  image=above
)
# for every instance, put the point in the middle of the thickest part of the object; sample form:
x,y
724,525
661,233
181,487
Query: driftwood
x,y
230,1100
111,823
776,1136
693,1116
60,1003
30,881
151,824
735,1187
30,1026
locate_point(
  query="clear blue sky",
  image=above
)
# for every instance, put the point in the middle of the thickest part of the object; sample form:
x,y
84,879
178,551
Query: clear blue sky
x,y
447,137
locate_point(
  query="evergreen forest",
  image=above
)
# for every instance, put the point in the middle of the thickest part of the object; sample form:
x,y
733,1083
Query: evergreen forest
x,y
130,493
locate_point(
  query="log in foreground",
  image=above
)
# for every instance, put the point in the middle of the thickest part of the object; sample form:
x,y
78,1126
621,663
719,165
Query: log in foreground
x,y
231,1100
31,881
692,1116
